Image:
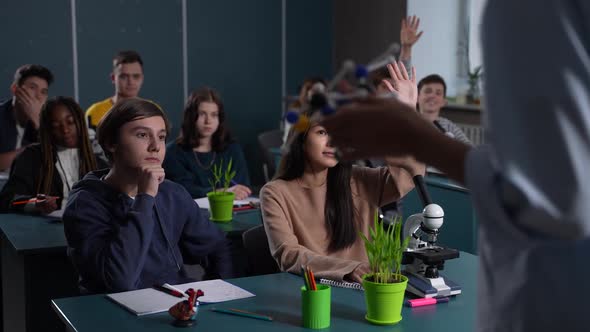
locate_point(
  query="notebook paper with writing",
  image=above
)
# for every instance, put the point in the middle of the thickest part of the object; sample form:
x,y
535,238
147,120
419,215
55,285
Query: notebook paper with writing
x,y
150,301
342,284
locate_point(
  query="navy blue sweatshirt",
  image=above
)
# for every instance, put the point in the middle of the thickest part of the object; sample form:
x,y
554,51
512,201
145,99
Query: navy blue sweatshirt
x,y
118,243
181,167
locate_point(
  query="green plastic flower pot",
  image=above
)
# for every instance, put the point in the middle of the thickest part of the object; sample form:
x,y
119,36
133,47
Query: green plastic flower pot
x,y
384,301
221,206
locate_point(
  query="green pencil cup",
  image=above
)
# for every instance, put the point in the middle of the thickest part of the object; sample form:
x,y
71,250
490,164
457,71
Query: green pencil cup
x,y
315,307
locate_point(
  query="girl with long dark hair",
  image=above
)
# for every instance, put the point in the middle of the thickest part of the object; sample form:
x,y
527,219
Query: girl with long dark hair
x,y
205,141
316,206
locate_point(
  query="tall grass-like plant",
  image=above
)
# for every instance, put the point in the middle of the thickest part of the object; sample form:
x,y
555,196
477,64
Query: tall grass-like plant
x,y
222,176
385,250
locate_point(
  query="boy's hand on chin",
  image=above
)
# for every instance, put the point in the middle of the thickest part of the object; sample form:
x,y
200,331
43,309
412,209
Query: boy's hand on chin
x,y
149,179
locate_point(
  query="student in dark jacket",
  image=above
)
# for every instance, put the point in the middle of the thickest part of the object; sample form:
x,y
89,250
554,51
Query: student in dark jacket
x,y
19,115
204,141
51,167
127,227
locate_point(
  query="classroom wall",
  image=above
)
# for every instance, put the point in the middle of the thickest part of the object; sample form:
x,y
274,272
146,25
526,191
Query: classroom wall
x,y
41,38
309,41
155,34
440,48
363,30
253,52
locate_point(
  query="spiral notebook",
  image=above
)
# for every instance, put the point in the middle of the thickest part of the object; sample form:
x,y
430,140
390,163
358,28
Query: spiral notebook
x,y
149,301
342,284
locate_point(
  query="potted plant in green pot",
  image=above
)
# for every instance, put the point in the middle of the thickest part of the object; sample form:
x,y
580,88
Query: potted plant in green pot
x,y
473,93
385,285
221,201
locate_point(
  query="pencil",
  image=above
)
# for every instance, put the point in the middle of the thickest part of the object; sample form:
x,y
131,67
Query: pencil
x,y
305,279
312,279
39,198
168,291
243,313
243,207
32,200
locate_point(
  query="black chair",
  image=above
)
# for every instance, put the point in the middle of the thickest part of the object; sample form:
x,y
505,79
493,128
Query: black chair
x,y
268,140
260,260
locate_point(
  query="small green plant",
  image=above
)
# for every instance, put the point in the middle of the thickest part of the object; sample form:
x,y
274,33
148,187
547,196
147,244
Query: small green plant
x,y
474,77
222,176
385,250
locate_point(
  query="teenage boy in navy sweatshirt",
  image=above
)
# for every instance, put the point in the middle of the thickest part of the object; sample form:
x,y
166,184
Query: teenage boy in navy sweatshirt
x,y
127,227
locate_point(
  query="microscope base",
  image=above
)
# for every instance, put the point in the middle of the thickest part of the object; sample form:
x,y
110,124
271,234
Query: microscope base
x,y
431,287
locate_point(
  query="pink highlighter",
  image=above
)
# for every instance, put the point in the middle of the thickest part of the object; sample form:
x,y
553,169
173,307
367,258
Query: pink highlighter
x,y
426,301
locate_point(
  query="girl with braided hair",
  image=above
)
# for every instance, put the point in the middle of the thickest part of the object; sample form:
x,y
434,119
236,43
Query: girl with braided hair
x,y
47,170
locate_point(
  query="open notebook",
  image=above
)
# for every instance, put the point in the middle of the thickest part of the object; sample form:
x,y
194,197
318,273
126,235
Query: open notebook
x,y
150,301
342,284
57,214
203,202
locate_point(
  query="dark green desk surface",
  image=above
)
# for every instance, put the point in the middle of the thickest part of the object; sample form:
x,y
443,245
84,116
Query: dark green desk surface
x,y
439,180
243,221
30,234
278,295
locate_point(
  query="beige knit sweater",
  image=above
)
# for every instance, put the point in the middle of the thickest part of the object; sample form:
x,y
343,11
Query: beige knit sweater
x,y
294,219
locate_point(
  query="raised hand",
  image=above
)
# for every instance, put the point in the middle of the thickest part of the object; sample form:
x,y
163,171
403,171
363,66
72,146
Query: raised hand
x,y
409,34
401,84
150,177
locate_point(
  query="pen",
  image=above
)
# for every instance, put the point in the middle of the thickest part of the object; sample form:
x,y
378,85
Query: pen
x,y
39,198
426,301
168,291
32,200
243,207
243,313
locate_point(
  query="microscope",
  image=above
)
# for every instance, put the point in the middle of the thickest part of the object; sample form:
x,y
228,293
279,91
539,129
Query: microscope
x,y
423,258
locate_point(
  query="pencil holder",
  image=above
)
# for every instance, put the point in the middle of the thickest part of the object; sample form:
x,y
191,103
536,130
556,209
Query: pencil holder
x,y
315,307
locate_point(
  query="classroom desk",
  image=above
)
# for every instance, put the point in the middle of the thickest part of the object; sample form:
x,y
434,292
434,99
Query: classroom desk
x,y
242,221
278,295
35,266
